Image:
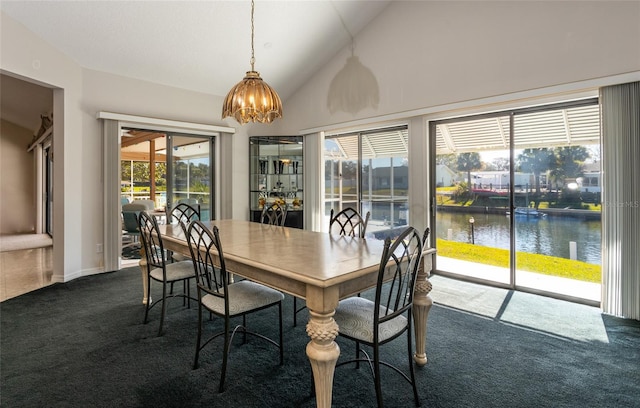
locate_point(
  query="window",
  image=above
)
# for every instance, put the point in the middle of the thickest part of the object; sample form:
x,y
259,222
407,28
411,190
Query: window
x,y
369,171
518,198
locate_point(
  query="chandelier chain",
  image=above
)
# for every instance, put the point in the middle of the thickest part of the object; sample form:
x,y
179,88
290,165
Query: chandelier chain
x,y
253,58
252,99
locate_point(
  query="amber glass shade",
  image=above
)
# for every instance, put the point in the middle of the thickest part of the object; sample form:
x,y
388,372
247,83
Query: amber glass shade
x,y
253,100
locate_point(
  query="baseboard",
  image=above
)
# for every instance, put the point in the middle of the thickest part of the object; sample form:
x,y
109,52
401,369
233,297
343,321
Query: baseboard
x,y
57,278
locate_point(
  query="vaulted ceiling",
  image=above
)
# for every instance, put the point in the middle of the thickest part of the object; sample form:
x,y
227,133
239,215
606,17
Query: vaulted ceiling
x,y
203,46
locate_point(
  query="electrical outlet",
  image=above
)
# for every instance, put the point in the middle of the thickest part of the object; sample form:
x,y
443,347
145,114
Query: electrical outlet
x,y
99,248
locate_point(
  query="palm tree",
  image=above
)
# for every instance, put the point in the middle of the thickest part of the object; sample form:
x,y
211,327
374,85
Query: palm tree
x,y
468,162
536,161
569,162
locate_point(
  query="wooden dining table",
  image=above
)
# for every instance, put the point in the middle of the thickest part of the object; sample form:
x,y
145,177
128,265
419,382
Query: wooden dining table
x,y
318,267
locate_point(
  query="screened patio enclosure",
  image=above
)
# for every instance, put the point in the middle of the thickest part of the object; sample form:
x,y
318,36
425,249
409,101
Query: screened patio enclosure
x,y
577,125
166,168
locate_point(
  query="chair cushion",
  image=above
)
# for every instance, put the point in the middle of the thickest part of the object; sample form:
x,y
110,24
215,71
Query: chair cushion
x,y
244,296
175,271
355,319
179,258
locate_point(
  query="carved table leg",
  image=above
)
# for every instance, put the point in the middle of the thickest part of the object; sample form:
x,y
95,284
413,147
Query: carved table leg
x,y
421,305
323,353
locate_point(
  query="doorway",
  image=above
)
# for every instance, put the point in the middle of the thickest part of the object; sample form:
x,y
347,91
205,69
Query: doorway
x,y
166,168
517,199
369,171
114,125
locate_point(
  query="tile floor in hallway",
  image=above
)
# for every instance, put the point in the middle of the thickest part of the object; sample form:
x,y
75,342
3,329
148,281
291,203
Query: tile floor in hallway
x,y
24,270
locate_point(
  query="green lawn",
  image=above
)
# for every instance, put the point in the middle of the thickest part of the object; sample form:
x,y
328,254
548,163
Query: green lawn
x,y
543,264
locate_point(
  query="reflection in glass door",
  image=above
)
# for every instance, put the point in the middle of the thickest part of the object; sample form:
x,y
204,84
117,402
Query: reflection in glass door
x,y
342,182
369,171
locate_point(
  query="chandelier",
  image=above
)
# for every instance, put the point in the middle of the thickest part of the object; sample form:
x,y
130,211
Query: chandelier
x,y
252,99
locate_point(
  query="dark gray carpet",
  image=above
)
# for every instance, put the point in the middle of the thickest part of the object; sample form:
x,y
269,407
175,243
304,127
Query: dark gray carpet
x,y
83,344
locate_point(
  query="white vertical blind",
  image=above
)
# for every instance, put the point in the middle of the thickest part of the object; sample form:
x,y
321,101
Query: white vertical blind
x,y
620,107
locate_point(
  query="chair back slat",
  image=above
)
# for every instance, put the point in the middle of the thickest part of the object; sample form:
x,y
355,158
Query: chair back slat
x,y
151,240
348,222
183,213
397,275
208,258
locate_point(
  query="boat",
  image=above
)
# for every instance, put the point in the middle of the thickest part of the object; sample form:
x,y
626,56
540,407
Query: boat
x,y
528,212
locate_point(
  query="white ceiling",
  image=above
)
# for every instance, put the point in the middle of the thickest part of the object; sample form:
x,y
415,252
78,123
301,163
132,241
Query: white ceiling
x,y
203,46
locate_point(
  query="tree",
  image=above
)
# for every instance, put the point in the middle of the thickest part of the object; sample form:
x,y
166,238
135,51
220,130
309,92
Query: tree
x,y
536,161
468,162
449,160
500,163
141,172
569,162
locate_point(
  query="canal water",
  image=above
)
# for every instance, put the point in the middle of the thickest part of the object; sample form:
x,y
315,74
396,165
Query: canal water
x,y
549,235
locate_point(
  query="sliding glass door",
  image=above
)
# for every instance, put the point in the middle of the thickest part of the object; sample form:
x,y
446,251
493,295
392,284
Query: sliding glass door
x,y
166,168
557,205
190,172
342,174
472,197
369,171
517,198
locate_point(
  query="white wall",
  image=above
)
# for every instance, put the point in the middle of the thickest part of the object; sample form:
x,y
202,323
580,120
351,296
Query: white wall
x,y
79,95
17,180
113,93
26,55
426,54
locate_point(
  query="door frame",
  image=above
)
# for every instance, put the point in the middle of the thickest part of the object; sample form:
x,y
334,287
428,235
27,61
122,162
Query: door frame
x,y
511,113
113,124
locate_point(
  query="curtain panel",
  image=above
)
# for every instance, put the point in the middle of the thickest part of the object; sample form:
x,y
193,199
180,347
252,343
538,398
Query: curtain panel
x,y
620,110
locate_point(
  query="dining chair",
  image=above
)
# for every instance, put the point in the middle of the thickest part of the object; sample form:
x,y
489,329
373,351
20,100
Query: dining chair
x,y
425,239
376,322
182,214
130,213
149,204
222,298
193,202
274,214
347,222
159,270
